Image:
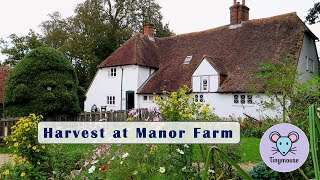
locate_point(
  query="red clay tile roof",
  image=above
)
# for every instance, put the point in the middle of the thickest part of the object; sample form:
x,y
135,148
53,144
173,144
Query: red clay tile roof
x,y
216,63
138,50
236,52
4,72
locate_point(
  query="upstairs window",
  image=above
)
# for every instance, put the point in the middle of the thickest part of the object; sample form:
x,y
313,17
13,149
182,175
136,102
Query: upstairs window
x,y
204,84
310,65
187,60
112,72
111,100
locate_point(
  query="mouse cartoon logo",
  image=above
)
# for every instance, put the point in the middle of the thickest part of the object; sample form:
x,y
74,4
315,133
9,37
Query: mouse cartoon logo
x,y
284,143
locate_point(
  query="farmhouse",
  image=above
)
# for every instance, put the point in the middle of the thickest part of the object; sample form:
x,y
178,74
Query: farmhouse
x,y
217,64
4,72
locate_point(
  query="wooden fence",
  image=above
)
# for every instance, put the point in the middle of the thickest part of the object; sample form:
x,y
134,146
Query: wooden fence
x,y
141,115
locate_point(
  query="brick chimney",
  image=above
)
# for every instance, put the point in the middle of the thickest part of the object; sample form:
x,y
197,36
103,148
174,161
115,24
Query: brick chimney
x,y
149,31
239,12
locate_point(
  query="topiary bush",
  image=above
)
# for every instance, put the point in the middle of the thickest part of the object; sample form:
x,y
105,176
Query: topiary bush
x,y
44,82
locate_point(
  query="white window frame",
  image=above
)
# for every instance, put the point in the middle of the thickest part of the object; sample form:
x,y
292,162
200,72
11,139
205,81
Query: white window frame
x,y
310,65
239,100
111,100
199,98
150,98
112,72
202,84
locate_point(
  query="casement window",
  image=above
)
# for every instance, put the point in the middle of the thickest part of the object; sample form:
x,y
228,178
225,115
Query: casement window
x,y
112,72
310,65
205,84
198,98
242,99
111,100
148,98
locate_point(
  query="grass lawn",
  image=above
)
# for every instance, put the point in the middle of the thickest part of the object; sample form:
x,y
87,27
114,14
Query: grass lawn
x,y
250,149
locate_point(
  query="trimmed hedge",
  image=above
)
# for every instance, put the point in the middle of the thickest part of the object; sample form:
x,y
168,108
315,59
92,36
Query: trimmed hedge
x,y
45,83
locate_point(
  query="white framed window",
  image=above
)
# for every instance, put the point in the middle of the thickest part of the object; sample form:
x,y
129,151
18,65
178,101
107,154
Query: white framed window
x,y
242,99
310,65
112,72
111,100
198,98
148,98
249,99
236,99
187,60
205,84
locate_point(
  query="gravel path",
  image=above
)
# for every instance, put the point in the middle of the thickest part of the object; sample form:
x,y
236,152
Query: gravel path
x,y
5,158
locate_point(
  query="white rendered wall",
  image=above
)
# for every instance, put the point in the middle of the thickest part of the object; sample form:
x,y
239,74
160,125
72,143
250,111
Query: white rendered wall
x,y
103,86
308,50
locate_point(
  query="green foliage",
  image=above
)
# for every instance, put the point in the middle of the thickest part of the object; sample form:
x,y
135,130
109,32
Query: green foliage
x,y
313,14
230,159
254,128
262,171
179,106
314,139
44,82
278,81
18,47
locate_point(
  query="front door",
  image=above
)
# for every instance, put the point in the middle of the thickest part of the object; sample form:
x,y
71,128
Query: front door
x,y
129,100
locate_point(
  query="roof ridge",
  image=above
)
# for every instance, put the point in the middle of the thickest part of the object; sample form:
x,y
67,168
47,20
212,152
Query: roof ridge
x,y
227,25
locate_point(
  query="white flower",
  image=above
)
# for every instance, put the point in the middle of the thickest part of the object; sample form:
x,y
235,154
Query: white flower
x,y
92,169
186,146
135,173
162,169
121,162
180,151
112,158
94,162
211,171
184,168
125,155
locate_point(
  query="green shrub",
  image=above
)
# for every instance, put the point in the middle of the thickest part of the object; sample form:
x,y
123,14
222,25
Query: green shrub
x,y
262,171
44,82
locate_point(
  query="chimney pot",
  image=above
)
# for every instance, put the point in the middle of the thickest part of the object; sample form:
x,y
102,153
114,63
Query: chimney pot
x,y
149,31
239,12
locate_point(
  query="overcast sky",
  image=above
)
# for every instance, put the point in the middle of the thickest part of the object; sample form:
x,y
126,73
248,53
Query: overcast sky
x,y
18,16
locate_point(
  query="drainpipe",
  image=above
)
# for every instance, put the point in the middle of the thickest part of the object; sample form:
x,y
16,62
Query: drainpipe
x,y
121,87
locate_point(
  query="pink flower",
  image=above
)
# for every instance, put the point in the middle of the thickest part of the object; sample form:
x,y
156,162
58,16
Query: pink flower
x,y
86,163
118,152
145,156
156,119
118,144
136,115
148,118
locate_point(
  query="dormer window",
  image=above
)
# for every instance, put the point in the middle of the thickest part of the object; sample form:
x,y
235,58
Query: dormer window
x,y
112,72
187,60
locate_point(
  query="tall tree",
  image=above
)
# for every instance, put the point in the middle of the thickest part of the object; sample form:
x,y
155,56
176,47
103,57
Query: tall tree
x,y
18,47
313,15
97,29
